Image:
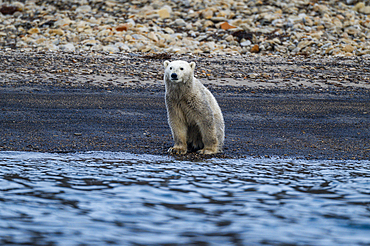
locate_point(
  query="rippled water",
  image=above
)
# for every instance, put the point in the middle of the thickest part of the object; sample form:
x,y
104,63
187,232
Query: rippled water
x,y
102,198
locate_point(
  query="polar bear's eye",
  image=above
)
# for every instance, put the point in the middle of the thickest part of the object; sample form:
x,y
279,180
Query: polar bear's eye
x,y
170,68
181,68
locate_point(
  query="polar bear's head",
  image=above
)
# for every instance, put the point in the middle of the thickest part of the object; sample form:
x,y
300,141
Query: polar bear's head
x,y
178,71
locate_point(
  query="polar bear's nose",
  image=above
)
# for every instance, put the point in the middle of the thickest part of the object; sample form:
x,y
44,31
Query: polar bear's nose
x,y
173,76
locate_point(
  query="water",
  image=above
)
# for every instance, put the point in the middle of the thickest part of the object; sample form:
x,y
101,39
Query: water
x,y
103,198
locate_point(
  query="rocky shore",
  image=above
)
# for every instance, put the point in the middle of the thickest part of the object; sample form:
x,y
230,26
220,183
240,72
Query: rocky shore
x,y
289,107
284,28
136,70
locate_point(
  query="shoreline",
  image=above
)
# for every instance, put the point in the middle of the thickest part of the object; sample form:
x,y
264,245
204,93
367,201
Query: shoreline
x,y
291,107
307,124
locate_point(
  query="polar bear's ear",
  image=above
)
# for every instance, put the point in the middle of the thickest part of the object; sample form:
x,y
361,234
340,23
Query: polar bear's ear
x,y
192,65
166,64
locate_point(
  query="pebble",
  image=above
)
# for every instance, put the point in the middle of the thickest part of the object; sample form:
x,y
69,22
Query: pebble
x,y
56,32
246,43
179,22
34,30
122,27
285,28
111,48
255,48
226,26
83,9
90,42
348,48
164,13
68,48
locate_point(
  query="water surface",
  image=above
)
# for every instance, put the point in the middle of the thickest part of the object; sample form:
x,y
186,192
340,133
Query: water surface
x,y
105,198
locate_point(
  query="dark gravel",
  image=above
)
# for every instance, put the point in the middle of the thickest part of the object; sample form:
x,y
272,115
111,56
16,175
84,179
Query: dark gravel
x,y
53,102
309,125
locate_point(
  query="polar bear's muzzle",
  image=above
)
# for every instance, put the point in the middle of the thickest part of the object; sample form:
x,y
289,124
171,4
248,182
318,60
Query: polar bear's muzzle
x,y
174,76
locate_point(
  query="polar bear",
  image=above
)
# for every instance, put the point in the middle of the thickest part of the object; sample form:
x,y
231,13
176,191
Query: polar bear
x,y
194,115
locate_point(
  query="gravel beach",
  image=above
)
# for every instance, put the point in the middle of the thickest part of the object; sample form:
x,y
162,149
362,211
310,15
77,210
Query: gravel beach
x,y
285,28
106,102
292,79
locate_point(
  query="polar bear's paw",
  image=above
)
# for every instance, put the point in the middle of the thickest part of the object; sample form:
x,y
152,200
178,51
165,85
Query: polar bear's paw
x,y
177,150
207,151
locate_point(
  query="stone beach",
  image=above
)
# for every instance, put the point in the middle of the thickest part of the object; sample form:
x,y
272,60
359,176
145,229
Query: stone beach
x,y
284,28
141,70
300,107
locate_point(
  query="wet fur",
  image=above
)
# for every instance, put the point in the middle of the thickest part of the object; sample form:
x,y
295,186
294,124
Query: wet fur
x,y
194,115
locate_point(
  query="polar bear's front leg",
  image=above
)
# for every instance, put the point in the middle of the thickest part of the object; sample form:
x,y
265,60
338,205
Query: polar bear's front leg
x,y
179,137
179,133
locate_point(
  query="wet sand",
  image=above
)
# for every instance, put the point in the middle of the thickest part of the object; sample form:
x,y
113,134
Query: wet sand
x,y
60,112
264,123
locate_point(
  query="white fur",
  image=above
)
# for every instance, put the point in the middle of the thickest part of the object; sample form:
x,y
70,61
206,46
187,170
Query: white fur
x,y
194,116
